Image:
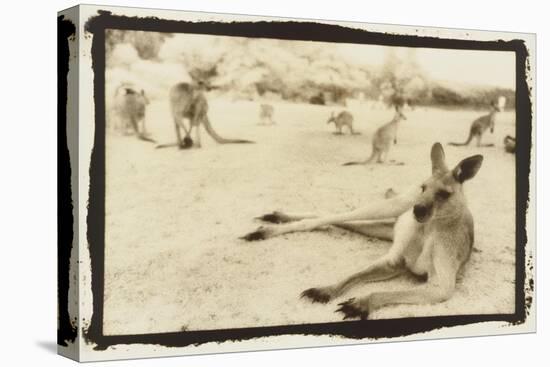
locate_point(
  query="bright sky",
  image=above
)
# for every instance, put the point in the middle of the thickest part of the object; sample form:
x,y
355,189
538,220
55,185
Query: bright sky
x,y
495,68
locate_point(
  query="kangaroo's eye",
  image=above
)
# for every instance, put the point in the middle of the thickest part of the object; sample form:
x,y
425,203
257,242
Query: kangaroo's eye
x,y
442,194
423,187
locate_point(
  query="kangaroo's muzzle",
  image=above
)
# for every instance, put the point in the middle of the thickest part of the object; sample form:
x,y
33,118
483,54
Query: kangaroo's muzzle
x,y
422,212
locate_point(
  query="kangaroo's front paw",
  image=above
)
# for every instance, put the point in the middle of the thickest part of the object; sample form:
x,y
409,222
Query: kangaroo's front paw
x,y
353,308
260,234
320,295
275,217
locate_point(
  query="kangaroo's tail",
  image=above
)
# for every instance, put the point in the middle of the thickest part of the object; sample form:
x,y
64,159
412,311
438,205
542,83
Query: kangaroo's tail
x,y
367,161
210,130
465,143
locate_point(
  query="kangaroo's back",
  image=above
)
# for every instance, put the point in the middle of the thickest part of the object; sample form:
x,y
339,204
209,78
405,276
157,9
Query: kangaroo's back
x,y
344,118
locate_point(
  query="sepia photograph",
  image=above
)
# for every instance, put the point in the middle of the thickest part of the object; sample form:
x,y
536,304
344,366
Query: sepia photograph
x,y
257,179
384,158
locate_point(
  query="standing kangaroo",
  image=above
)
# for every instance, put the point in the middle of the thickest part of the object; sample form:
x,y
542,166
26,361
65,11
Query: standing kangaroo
x,y
344,118
130,107
383,139
432,231
188,100
266,114
481,124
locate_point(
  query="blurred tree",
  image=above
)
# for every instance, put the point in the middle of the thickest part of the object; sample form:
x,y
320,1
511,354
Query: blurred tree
x,y
147,44
402,79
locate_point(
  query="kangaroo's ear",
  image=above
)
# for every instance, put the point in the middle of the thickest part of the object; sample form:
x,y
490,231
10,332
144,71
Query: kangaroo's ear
x,y
467,168
438,158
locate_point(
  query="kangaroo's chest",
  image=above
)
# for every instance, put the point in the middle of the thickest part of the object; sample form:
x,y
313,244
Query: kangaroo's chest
x,y
411,245
482,123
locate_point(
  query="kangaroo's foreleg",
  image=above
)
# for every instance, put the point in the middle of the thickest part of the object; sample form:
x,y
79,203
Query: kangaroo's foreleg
x,y
439,288
384,209
383,269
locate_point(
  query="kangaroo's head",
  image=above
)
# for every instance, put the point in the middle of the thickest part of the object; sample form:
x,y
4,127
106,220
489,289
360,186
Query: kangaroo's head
x,y
499,104
442,197
399,115
202,77
332,118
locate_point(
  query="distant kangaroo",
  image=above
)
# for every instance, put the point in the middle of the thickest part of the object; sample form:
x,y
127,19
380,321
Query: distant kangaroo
x,y
344,118
266,114
383,139
130,107
432,231
510,144
481,124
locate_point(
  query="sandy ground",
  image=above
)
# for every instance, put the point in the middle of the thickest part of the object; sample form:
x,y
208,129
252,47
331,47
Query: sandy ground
x,y
173,258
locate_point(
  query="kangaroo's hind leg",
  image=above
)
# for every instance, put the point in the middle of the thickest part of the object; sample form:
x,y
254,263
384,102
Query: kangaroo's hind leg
x,y
388,209
376,229
479,144
198,136
380,230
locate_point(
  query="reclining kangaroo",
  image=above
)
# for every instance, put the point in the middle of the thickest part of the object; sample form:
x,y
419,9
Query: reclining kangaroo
x,y
188,100
344,118
481,124
383,139
431,228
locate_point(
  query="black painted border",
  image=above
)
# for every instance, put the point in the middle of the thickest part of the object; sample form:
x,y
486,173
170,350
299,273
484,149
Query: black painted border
x,y
66,331
292,30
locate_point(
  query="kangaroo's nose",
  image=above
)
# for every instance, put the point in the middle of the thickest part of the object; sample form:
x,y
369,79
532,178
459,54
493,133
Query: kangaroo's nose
x,y
420,211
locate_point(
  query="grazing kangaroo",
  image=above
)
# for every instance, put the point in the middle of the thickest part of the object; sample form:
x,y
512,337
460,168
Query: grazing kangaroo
x,y
266,114
383,139
432,231
344,118
130,106
481,124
